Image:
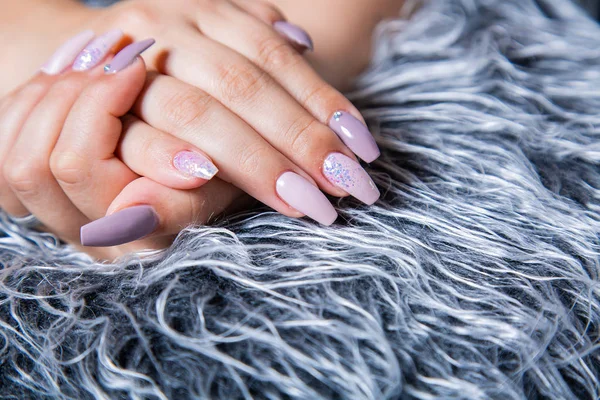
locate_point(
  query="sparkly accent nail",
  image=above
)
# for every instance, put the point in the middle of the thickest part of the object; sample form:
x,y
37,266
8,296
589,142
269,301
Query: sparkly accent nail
x,y
194,164
97,50
348,175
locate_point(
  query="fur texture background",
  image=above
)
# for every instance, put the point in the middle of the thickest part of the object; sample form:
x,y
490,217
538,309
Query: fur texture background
x,y
475,276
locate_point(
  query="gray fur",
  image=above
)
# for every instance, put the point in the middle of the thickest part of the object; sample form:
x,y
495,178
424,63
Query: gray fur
x,y
474,277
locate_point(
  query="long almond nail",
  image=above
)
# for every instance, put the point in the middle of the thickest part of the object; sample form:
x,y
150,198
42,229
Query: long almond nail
x,y
305,197
97,50
122,227
127,56
348,175
66,54
355,135
295,34
194,164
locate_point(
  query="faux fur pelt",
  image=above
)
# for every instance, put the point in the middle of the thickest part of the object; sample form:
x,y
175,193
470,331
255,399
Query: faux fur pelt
x,y
475,276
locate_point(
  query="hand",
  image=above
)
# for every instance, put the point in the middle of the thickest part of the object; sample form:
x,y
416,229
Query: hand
x,y
59,136
192,114
226,81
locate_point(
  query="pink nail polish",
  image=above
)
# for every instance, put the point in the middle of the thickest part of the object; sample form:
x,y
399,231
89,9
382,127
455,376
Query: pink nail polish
x,y
305,197
66,54
194,164
97,50
348,175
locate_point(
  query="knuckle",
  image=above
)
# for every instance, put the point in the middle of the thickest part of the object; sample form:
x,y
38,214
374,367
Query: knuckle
x,y
302,134
274,52
187,108
251,158
241,82
68,168
23,177
323,97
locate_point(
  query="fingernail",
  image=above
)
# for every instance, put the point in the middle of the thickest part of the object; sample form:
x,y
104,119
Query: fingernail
x,y
348,175
294,33
97,50
355,135
194,164
127,56
305,197
121,227
66,54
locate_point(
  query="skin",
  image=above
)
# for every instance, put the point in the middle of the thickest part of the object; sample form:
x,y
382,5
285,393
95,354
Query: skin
x,y
130,186
29,33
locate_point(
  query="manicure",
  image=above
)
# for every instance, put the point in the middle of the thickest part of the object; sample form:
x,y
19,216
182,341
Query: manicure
x,y
348,175
295,34
121,227
194,164
355,135
66,54
97,50
305,197
127,56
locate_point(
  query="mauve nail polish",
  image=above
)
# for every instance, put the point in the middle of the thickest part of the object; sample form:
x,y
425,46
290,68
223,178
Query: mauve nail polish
x,y
127,56
305,197
97,50
294,33
348,175
355,135
66,54
122,227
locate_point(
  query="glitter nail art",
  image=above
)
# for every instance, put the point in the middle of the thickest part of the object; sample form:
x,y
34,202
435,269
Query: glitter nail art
x,y
348,175
97,50
194,164
339,174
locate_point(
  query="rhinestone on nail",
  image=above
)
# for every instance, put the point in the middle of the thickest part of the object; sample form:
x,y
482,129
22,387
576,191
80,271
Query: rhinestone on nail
x,y
337,115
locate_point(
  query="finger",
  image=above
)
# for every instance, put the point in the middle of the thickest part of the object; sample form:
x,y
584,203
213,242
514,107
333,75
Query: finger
x,y
83,161
147,209
15,111
262,10
265,47
270,110
29,172
162,157
272,16
241,154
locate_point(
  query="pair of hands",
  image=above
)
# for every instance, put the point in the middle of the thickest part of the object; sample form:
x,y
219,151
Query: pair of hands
x,y
228,88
